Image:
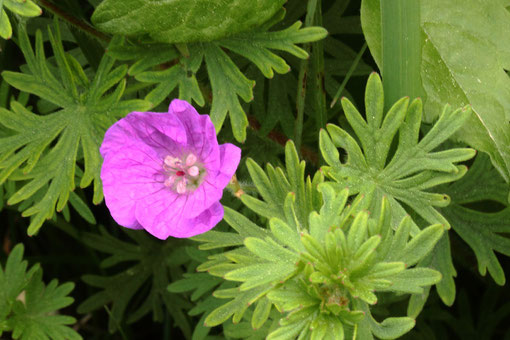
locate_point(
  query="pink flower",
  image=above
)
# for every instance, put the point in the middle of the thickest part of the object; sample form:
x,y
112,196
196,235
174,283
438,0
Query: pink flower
x,y
165,172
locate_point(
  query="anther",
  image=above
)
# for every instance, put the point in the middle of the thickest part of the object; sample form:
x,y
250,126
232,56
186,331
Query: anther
x,y
193,171
181,186
191,159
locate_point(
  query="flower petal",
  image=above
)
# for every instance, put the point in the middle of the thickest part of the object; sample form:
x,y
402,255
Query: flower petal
x,y
230,156
129,175
200,133
188,227
159,130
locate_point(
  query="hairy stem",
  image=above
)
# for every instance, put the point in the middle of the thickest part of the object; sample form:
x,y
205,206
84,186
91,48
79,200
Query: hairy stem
x,y
79,24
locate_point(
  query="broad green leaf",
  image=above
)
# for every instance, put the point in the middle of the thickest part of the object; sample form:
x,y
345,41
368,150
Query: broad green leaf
x,y
48,145
402,176
183,20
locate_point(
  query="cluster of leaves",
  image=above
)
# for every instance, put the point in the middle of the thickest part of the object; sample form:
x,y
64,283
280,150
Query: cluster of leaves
x,y
42,150
146,262
476,76
322,257
226,79
322,262
28,307
318,264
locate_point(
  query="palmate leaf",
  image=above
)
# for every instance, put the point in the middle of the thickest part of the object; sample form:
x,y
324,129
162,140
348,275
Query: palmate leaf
x,y
465,58
402,176
48,145
321,262
486,233
228,83
149,262
28,306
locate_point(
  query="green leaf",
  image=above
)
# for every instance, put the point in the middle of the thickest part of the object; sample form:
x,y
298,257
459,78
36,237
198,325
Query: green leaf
x,y
440,259
28,307
389,328
413,280
402,176
475,76
261,313
183,20
5,25
421,244
274,186
25,8
228,83
260,274
144,261
255,46
48,145
486,233
235,307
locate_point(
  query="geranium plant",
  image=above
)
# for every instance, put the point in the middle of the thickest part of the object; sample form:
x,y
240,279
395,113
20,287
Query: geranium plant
x,y
266,169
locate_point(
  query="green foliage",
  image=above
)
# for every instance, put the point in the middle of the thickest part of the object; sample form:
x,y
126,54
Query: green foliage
x,y
183,21
28,307
227,81
403,175
464,62
485,232
42,150
26,8
319,263
147,262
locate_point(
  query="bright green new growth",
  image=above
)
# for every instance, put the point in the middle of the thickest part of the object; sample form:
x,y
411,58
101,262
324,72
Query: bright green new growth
x,y
26,8
320,263
404,175
183,21
28,306
48,145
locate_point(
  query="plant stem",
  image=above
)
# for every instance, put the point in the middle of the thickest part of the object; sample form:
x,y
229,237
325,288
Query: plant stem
x,y
401,50
73,20
349,74
303,70
317,91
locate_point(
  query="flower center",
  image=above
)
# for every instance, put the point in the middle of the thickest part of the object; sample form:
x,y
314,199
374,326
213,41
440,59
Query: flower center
x,y
183,174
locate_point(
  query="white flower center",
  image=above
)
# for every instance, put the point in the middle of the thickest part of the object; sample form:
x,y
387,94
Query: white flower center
x,y
183,174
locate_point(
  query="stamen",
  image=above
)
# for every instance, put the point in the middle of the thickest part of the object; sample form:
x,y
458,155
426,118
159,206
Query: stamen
x,y
169,181
193,171
181,186
191,159
180,173
172,161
